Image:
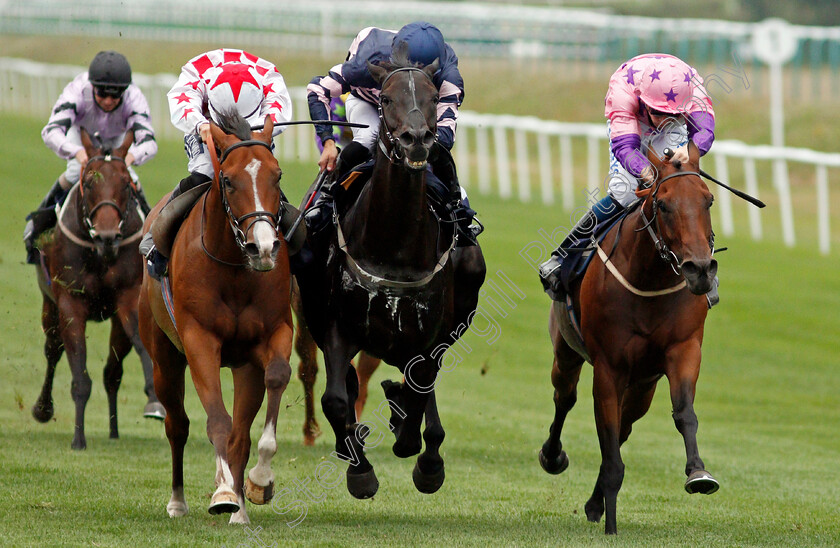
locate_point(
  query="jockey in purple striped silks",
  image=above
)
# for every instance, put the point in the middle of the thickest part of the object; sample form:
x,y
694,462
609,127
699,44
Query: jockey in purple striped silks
x,y
425,44
654,101
107,104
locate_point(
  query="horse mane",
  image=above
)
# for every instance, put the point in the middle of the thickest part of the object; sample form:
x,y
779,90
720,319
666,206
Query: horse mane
x,y
232,123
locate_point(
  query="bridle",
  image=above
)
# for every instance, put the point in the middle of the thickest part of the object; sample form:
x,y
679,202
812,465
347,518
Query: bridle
x,y
241,236
395,155
87,214
655,231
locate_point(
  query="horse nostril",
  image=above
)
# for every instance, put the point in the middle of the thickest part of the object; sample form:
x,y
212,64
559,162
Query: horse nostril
x,y
428,139
713,268
406,139
251,249
275,248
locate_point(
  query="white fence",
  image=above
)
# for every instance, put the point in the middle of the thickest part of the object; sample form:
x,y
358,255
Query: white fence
x,y
542,160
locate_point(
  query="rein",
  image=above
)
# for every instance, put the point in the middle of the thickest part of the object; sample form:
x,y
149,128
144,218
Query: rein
x,y
239,235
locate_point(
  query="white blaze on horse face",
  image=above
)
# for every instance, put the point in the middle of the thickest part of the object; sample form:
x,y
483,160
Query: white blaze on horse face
x,y
264,234
261,474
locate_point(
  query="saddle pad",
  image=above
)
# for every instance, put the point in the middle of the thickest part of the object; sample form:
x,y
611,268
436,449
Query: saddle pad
x,y
165,226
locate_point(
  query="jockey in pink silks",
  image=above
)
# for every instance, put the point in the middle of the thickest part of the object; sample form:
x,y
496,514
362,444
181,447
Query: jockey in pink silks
x,y
654,101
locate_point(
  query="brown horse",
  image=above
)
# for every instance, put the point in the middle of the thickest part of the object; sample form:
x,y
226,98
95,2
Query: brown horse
x,y
642,312
307,351
229,279
90,270
389,280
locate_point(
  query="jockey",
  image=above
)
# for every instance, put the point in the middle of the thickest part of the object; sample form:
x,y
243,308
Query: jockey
x,y
104,102
218,81
654,101
375,45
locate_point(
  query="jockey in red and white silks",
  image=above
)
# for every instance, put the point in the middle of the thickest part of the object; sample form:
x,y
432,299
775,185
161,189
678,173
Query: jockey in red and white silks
x,y
658,101
219,80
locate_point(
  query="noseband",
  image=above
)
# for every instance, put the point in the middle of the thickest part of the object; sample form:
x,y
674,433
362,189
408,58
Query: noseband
x,y
662,248
240,235
395,155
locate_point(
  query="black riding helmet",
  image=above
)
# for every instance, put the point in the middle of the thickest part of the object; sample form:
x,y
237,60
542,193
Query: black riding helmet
x,y
110,71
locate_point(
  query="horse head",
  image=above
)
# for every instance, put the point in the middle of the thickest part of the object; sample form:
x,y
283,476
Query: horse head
x,y
249,187
678,212
107,195
407,109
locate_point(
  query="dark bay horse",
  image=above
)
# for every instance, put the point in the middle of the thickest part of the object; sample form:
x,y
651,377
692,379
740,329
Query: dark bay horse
x,y
639,327
392,283
229,279
90,270
307,351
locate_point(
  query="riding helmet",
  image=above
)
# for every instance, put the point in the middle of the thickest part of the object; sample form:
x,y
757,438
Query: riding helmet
x,y
110,69
425,43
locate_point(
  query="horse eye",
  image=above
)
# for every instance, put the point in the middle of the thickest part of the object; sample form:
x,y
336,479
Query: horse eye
x,y
711,202
436,99
228,184
385,100
661,206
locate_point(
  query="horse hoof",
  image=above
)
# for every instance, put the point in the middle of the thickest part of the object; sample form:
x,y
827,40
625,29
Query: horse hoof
x,y
594,511
258,494
177,509
78,444
427,483
42,413
556,465
701,481
223,502
364,485
154,410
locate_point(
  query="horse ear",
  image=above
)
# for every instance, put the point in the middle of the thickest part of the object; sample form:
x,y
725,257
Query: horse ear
x,y
377,72
432,68
87,142
268,129
221,140
122,152
693,153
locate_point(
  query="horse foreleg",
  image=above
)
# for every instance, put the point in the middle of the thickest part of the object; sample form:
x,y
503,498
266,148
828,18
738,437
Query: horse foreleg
x,y
682,370
429,471
565,374
420,378
43,409
73,319
361,478
248,393
203,352
366,367
129,319
635,405
307,351
607,392
119,346
259,486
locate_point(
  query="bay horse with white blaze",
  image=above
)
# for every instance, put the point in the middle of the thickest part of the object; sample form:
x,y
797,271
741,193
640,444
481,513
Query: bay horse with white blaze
x,y
642,309
229,279
90,270
390,281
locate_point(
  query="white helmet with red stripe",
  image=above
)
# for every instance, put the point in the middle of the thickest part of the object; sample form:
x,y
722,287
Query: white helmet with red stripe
x,y
235,86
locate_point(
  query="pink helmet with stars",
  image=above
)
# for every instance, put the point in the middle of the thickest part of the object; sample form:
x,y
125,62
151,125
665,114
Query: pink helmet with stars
x,y
235,86
666,85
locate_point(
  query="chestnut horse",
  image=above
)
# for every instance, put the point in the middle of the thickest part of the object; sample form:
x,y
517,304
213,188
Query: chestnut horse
x,y
388,280
642,312
90,270
229,279
307,351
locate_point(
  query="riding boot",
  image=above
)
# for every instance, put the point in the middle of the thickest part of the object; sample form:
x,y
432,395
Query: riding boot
x,y
606,209
456,204
318,215
42,219
156,262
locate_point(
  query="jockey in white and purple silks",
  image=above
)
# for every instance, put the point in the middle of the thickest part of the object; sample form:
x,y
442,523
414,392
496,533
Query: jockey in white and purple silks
x,y
107,104
654,101
425,44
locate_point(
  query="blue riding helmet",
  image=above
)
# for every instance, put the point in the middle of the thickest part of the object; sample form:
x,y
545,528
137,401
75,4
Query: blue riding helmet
x,y
425,42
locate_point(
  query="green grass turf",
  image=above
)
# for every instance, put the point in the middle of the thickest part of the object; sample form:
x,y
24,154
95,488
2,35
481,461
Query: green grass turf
x,y
766,400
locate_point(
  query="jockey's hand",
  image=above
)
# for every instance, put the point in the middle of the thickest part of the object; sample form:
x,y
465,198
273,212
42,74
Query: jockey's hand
x,y
129,159
328,156
204,132
680,155
649,175
82,157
